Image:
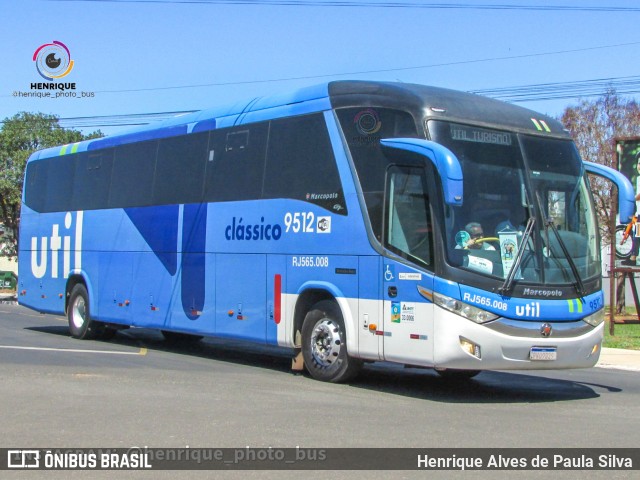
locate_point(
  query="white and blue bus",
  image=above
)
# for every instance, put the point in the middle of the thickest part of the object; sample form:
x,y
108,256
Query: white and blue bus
x,y
356,221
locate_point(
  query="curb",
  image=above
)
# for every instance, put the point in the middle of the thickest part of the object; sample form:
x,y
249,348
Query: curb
x,y
619,358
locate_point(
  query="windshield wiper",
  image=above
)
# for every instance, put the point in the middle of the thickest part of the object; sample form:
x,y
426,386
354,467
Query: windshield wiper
x,y
508,282
578,285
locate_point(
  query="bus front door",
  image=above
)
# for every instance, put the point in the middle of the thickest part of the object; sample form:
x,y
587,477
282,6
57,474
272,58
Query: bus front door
x,y
408,314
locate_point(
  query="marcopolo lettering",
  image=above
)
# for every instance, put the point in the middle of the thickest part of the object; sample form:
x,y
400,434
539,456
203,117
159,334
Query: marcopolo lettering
x,y
237,230
55,243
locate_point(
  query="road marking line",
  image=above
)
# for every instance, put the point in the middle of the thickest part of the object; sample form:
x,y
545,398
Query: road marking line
x,y
628,368
142,351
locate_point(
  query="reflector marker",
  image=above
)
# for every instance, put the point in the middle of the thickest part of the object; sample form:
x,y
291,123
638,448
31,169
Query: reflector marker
x,y
277,298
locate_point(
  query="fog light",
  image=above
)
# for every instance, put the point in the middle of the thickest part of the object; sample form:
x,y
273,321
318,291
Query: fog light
x,y
470,347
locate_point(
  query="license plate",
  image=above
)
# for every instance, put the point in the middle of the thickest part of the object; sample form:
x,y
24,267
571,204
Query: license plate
x,y
543,354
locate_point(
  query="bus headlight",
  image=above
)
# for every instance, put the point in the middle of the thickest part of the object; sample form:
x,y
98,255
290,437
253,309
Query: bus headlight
x,y
465,310
595,319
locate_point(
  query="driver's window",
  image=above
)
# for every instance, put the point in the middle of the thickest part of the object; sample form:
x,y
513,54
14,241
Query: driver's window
x,y
407,216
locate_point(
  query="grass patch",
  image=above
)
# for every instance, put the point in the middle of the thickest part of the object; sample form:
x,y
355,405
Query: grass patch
x,y
626,336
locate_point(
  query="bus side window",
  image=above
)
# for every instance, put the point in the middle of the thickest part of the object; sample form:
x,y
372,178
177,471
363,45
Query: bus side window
x,y
93,174
59,183
180,168
35,185
301,164
132,177
408,230
236,171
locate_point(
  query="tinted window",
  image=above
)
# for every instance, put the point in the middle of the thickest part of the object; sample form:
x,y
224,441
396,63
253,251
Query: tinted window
x,y
235,163
59,183
301,164
408,219
132,178
363,129
35,184
180,169
92,177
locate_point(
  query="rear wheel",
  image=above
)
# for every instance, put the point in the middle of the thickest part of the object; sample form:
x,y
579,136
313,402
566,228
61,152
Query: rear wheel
x,y
78,313
324,344
80,323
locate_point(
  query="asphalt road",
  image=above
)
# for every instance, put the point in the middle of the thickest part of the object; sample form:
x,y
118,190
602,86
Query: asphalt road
x,y
137,390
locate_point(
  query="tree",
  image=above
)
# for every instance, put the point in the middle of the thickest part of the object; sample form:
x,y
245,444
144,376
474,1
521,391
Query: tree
x,y
20,136
594,124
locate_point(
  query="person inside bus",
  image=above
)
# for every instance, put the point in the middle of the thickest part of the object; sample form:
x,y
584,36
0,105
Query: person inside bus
x,y
474,229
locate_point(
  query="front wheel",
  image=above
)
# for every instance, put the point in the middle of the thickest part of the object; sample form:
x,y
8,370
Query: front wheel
x,y
324,344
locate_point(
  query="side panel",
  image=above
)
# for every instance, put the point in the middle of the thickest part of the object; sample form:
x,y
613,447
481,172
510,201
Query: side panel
x,y
276,299
241,296
408,315
370,308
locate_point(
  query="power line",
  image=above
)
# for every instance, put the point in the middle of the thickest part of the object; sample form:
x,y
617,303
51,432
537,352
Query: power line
x,y
369,72
514,94
368,4
563,90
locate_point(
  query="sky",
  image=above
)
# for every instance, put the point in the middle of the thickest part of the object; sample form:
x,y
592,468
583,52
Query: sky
x,y
135,57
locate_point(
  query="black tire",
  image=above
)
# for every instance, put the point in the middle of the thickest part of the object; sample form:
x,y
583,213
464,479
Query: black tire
x,y
457,375
625,250
177,338
78,313
324,344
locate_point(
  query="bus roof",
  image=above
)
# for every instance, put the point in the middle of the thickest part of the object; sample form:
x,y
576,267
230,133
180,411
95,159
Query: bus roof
x,y
422,101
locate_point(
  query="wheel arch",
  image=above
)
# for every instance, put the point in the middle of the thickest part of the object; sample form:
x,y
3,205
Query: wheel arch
x,y
310,294
74,279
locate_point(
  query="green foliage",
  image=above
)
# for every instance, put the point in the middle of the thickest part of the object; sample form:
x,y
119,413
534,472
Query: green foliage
x,y
594,124
626,336
20,136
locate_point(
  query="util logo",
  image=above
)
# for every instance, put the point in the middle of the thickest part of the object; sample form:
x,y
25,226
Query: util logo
x,y
529,310
56,242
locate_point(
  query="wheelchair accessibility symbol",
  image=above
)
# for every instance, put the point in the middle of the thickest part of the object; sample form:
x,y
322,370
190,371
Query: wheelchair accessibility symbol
x,y
389,273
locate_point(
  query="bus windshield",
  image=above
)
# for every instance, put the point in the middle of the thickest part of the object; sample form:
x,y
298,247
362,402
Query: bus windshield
x,y
508,180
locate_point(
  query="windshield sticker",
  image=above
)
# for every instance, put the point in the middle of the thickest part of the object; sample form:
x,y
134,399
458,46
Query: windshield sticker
x,y
508,250
480,264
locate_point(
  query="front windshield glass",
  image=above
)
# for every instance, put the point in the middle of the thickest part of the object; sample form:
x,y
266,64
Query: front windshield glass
x,y
508,180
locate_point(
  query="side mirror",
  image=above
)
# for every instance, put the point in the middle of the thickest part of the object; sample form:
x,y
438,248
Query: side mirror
x,y
417,151
626,193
